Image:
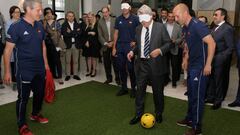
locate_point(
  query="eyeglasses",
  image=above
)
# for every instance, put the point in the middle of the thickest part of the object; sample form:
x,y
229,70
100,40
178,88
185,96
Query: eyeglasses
x,y
17,12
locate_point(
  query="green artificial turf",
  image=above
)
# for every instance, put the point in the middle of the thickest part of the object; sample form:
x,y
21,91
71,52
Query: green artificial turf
x,y
93,109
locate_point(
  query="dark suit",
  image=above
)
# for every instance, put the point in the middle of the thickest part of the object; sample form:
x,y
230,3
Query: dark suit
x,y
75,33
174,52
151,69
223,37
73,46
161,21
103,37
238,65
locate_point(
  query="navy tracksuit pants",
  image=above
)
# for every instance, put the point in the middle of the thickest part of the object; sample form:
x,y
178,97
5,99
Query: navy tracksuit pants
x,y
196,85
37,85
124,65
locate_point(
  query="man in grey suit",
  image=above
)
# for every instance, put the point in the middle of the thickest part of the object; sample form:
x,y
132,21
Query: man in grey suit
x,y
2,42
105,36
224,38
175,33
153,42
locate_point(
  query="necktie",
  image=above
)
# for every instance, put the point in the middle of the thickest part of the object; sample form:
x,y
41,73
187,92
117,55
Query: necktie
x,y
147,44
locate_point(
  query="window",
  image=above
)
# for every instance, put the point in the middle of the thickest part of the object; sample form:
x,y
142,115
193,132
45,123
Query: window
x,y
58,6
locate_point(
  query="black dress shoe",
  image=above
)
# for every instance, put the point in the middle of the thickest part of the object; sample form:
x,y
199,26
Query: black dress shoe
x,y
216,106
88,74
186,93
174,85
234,104
209,101
107,81
61,82
67,78
76,77
159,118
135,120
93,75
122,92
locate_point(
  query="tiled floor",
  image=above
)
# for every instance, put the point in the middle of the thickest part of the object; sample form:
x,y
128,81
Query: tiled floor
x,y
7,95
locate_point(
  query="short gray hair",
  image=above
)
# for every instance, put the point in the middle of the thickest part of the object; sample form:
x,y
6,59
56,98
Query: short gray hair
x,y
30,3
144,9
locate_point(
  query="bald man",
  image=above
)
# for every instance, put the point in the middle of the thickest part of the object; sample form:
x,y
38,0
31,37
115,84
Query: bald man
x,y
198,64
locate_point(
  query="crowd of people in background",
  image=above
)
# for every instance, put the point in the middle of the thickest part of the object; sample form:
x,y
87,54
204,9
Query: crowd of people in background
x,y
115,40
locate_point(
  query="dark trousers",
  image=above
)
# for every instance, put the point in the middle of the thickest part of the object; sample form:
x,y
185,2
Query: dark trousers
x,y
167,79
215,90
124,65
37,85
13,72
143,75
54,62
238,93
196,86
109,61
175,68
219,81
1,53
226,76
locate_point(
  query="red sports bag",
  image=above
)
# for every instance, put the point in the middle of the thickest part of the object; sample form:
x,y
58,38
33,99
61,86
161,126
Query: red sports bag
x,y
49,87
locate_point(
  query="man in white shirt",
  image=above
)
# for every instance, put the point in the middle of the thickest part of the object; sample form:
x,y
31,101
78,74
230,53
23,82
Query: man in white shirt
x,y
105,36
163,15
223,36
175,33
71,32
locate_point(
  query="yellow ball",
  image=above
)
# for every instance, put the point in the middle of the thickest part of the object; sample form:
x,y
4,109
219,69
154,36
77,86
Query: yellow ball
x,y
147,120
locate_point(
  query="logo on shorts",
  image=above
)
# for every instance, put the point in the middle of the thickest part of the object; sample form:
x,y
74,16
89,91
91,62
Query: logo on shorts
x,y
195,79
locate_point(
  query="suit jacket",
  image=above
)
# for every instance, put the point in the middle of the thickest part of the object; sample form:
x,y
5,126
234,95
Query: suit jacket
x,y
177,36
75,33
2,29
224,39
103,35
238,52
103,32
160,20
159,39
83,37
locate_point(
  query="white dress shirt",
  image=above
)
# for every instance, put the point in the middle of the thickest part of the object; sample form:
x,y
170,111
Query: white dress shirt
x,y
71,24
169,29
221,23
164,21
109,29
143,33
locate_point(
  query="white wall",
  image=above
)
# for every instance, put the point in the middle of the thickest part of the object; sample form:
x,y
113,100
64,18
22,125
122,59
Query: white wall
x,y
212,5
96,5
6,4
116,7
87,5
